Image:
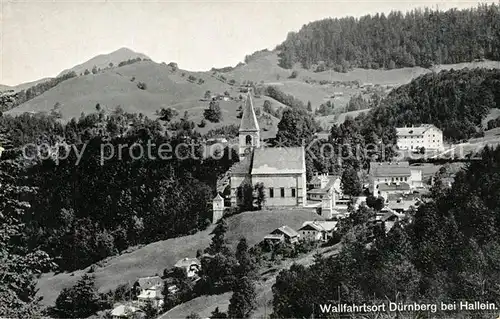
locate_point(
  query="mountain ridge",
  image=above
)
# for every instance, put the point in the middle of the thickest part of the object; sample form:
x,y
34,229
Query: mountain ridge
x,y
103,60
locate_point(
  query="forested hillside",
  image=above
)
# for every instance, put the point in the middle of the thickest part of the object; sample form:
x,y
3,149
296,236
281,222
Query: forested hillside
x,y
83,209
417,38
441,252
454,101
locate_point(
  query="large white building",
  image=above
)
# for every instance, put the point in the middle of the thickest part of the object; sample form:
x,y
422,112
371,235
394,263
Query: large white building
x,y
281,170
394,177
412,138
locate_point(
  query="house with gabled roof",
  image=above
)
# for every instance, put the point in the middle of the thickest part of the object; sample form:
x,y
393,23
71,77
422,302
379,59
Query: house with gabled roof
x,y
150,289
191,266
317,230
426,136
283,234
388,178
282,170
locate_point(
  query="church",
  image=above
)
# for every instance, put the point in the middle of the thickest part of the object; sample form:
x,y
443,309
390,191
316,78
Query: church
x,y
282,170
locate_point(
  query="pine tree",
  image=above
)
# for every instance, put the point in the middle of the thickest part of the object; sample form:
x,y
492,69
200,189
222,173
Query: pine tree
x,y
218,243
243,301
17,270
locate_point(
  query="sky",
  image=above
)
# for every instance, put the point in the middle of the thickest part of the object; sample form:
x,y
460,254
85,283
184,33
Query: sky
x,y
41,38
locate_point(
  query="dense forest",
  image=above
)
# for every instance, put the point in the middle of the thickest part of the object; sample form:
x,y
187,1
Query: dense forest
x,y
417,38
83,209
441,252
456,101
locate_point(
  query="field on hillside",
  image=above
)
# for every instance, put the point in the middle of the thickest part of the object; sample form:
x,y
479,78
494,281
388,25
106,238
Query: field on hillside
x,y
180,89
327,121
154,258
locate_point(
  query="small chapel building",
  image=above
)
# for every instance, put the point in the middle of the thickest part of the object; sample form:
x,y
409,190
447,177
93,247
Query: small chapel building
x,y
281,170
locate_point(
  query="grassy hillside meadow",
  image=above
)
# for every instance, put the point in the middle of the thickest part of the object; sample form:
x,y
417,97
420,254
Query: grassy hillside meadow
x,y
166,88
154,258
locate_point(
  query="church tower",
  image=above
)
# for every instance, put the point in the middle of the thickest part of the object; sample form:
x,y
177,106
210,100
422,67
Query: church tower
x,y
249,137
218,208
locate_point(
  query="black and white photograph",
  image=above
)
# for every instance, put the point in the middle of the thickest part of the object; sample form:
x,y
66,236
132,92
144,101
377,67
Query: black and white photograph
x,y
249,159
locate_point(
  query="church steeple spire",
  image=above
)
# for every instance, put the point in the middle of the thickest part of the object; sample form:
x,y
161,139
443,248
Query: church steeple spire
x,y
249,119
249,137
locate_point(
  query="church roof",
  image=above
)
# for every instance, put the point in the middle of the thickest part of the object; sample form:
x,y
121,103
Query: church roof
x,y
242,167
278,160
249,120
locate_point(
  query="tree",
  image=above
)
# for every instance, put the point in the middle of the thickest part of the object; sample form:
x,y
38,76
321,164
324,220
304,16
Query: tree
x,y
202,124
246,264
110,64
267,107
350,183
94,70
294,74
79,301
377,203
208,94
142,85
86,72
259,196
309,106
167,114
19,264
193,315
243,301
213,113
56,111
149,309
217,314
218,243
296,127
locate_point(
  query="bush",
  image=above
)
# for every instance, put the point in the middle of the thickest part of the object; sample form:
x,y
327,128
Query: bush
x,y
213,112
142,85
81,300
294,74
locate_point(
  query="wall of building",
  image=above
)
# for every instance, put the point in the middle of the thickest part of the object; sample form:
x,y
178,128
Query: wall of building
x,y
242,141
237,181
310,235
288,182
433,139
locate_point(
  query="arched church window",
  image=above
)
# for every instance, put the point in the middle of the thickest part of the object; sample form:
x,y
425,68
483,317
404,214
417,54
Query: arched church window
x,y
248,140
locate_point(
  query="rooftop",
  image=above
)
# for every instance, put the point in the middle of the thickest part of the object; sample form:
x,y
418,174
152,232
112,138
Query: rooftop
x,y
242,167
411,131
148,282
393,187
278,160
124,311
320,225
390,169
186,262
286,230
249,121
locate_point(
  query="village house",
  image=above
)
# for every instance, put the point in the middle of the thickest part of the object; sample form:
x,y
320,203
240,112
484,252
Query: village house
x,y
326,190
126,311
412,138
150,289
281,170
317,230
283,234
389,178
191,266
